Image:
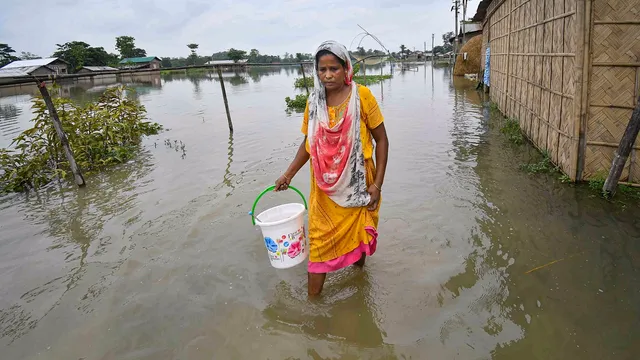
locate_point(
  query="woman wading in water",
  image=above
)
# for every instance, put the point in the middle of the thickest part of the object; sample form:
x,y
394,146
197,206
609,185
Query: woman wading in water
x,y
341,121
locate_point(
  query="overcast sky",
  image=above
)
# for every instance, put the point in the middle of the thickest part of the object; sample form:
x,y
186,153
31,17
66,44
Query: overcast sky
x,y
164,27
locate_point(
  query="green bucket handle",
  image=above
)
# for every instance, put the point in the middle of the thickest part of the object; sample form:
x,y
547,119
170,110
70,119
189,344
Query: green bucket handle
x,y
271,188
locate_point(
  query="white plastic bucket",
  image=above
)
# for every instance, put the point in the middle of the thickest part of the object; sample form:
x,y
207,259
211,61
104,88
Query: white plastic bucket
x,y
283,232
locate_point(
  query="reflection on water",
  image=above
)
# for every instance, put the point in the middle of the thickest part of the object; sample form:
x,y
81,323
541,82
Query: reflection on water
x,y
9,114
156,258
228,179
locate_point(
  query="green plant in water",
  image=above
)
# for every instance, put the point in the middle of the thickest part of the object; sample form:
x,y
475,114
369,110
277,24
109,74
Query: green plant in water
x,y
511,129
596,182
543,166
299,103
300,83
565,179
102,133
371,79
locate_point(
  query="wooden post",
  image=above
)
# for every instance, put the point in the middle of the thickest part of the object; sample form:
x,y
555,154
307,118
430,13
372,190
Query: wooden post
x,y
364,72
226,103
77,175
621,155
304,78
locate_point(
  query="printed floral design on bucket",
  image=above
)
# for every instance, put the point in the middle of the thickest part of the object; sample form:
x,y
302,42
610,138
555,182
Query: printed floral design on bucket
x,y
271,245
294,249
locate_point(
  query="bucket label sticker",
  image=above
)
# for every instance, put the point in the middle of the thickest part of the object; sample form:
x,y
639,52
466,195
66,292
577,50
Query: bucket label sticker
x,y
271,245
298,234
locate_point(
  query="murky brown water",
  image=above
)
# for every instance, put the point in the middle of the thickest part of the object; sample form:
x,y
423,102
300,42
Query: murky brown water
x,y
157,259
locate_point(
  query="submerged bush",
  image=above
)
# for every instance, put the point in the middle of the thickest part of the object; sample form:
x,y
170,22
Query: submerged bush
x,y
301,82
102,133
299,103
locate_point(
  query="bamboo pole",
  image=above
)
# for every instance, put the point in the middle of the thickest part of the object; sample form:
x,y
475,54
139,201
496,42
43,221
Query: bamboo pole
x,y
507,108
364,72
584,96
304,78
578,76
621,155
226,103
77,175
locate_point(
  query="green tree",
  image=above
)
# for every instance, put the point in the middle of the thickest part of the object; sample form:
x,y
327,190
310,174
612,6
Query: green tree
x,y
254,55
127,48
403,49
446,37
79,54
5,54
139,53
236,55
166,62
29,56
194,56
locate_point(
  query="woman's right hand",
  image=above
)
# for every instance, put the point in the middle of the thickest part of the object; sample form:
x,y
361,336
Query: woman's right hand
x,y
282,183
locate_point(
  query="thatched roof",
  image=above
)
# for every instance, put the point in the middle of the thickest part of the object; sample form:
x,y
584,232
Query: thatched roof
x,y
482,10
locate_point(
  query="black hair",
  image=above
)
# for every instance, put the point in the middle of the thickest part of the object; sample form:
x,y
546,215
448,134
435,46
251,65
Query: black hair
x,y
322,53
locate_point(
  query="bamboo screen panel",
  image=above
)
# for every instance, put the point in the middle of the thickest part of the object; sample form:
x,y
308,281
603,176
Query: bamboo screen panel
x,y
533,41
498,30
614,85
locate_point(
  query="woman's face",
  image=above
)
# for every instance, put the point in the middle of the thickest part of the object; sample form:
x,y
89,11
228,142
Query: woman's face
x,y
331,72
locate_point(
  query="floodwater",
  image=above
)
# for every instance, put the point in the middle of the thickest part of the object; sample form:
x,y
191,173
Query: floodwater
x,y
157,258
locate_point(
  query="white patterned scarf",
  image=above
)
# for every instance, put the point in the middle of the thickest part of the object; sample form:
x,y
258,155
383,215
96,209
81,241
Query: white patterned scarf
x,y
336,152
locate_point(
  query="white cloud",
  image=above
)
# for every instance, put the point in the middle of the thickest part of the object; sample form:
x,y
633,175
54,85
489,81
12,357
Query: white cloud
x,y
164,27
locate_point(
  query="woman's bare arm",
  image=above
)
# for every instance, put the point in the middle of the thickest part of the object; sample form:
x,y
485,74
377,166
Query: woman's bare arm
x,y
302,156
382,151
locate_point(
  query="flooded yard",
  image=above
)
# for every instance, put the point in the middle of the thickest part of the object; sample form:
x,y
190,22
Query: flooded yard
x,y
157,258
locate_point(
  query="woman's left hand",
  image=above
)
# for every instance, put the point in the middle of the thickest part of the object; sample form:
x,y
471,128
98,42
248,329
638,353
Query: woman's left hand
x,y
375,197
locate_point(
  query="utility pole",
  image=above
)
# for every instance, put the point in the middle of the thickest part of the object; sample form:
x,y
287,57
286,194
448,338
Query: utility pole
x,y
432,54
464,16
455,31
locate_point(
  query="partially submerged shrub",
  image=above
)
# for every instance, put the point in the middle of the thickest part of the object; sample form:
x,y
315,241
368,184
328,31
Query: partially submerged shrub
x,y
102,133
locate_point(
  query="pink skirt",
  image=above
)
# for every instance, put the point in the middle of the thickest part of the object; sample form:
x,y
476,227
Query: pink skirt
x,y
349,258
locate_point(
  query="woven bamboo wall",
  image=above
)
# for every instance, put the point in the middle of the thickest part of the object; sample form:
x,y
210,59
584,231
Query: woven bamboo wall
x,y
532,71
614,84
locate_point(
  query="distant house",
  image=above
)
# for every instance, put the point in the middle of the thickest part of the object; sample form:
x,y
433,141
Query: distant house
x,y
39,66
471,29
95,69
149,62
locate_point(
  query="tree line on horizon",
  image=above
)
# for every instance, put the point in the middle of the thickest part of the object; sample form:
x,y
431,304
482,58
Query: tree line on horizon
x,y
80,53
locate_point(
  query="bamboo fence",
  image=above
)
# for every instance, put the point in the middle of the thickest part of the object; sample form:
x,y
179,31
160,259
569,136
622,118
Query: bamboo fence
x,y
569,72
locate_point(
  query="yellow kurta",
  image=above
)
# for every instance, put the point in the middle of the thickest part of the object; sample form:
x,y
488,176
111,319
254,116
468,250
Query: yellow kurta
x,y
334,230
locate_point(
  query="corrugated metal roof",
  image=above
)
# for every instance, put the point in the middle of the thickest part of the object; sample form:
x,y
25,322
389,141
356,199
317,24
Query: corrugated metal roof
x,y
100,68
20,71
471,27
34,62
224,62
138,60
9,73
